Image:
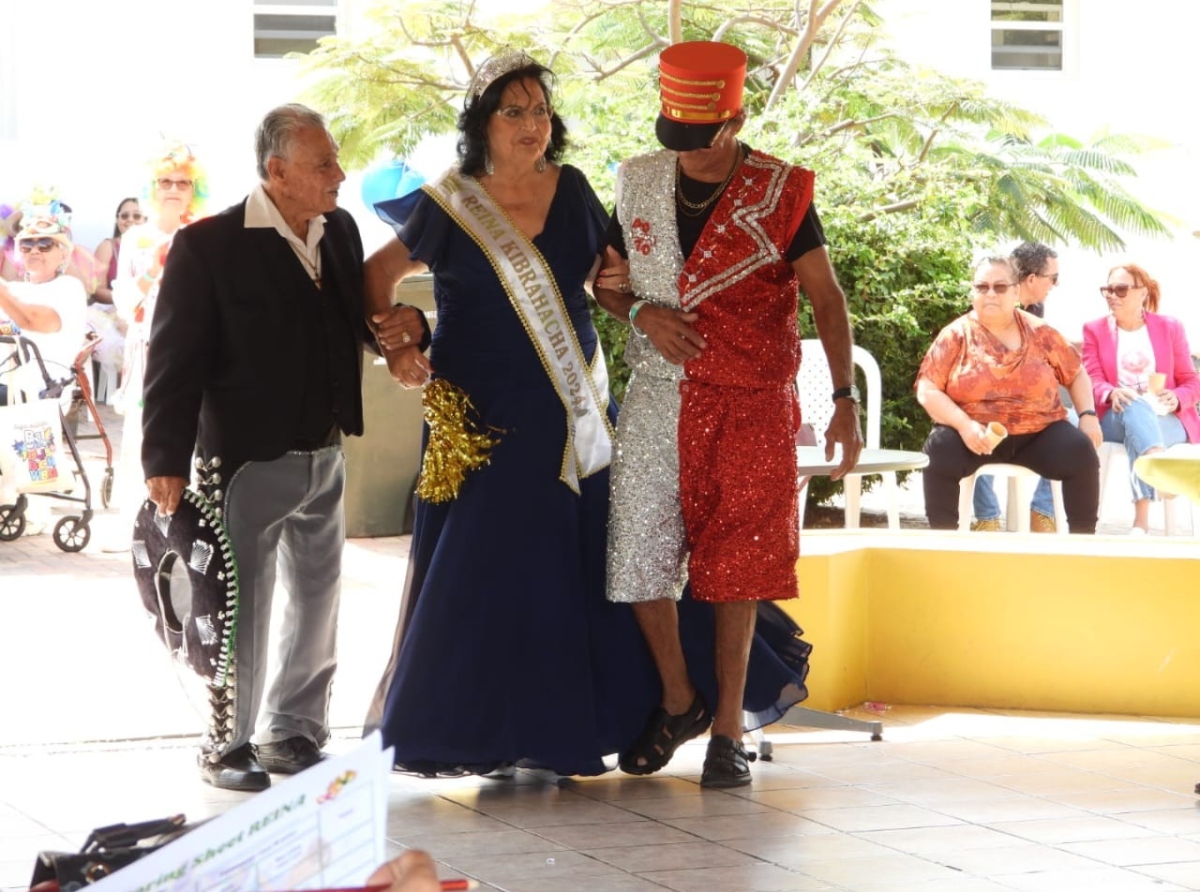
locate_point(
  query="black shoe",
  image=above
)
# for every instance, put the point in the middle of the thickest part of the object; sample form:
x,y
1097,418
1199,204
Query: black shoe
x,y
726,764
664,733
289,756
237,770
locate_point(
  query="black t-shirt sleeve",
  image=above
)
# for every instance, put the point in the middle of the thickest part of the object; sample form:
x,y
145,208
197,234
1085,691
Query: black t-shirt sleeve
x,y
808,236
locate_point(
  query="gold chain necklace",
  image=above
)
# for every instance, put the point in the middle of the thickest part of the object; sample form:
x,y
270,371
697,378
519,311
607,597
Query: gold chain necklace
x,y
695,209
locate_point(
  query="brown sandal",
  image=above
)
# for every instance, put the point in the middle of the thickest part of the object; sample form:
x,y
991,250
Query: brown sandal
x,y
726,764
664,733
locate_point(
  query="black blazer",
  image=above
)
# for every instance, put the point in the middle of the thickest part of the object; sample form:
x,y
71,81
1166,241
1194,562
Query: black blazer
x,y
222,367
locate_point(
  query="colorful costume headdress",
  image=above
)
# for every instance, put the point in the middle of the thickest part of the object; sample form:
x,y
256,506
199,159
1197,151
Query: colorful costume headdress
x,y
178,156
43,201
45,226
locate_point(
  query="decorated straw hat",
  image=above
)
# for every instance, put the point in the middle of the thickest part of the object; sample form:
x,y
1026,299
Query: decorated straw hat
x,y
46,226
701,83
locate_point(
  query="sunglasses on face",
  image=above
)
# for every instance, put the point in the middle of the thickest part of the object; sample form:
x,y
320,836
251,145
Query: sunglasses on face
x,y
1001,288
1118,290
1053,277
167,184
42,245
133,215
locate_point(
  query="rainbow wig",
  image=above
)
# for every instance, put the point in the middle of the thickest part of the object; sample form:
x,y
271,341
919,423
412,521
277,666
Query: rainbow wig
x,y
178,156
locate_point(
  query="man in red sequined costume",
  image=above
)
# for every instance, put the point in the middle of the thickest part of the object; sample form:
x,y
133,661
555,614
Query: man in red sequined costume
x,y
719,238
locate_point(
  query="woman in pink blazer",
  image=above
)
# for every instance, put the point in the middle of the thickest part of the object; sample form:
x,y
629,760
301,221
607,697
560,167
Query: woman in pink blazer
x,y
1145,384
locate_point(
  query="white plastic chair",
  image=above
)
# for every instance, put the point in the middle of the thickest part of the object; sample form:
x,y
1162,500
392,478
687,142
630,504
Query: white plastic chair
x,y
1113,455
815,385
1021,483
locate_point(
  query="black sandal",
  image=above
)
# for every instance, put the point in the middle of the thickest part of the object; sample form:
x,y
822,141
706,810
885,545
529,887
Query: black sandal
x,y
664,733
726,764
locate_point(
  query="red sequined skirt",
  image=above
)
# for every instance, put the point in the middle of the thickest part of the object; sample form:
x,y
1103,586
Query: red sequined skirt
x,y
738,491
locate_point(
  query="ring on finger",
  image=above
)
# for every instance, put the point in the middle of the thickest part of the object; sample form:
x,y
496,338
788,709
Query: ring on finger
x,y
405,337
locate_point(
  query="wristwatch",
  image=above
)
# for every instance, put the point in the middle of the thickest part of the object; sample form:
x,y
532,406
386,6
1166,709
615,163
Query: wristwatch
x,y
847,393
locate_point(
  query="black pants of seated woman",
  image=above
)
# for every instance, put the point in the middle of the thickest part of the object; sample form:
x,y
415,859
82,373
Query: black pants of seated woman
x,y
1057,452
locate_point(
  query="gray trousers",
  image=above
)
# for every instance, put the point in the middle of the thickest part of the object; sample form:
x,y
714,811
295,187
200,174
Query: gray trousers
x,y
286,516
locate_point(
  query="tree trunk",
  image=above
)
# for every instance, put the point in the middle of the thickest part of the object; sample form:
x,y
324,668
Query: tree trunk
x,y
816,17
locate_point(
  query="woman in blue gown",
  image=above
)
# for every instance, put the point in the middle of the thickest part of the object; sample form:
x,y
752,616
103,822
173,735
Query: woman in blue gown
x,y
508,652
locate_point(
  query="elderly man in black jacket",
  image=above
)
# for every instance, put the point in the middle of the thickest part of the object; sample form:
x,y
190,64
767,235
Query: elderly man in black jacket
x,y
255,363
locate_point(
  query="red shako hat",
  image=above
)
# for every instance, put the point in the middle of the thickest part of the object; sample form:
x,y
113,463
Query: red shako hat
x,y
701,86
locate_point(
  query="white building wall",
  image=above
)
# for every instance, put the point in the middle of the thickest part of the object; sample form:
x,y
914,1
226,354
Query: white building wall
x,y
1128,68
96,86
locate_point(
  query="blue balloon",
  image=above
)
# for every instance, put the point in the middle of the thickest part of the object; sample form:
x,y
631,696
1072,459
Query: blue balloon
x,y
391,180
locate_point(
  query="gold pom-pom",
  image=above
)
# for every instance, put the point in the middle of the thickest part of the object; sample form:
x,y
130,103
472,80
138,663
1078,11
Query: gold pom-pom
x,y
456,443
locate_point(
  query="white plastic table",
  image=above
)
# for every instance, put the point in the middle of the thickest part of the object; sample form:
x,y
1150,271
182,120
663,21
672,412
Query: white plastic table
x,y
810,461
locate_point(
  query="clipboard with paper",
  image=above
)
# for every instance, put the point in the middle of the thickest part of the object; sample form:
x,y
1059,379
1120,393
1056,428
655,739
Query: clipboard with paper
x,y
321,829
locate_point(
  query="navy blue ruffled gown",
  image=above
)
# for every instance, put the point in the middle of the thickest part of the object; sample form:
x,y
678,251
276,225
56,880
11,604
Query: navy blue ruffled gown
x,y
510,652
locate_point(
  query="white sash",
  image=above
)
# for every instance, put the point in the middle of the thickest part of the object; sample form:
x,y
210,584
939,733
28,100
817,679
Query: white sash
x,y
534,294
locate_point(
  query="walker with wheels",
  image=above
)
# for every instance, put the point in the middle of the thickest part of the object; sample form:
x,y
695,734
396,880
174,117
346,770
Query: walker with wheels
x,y
71,533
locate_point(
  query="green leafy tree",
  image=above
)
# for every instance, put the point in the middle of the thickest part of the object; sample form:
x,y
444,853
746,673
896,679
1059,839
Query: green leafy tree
x,y
916,172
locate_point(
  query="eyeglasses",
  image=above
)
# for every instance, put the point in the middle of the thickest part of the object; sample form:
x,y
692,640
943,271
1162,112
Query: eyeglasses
x,y
1001,288
167,184
138,218
43,245
1053,277
1118,290
515,113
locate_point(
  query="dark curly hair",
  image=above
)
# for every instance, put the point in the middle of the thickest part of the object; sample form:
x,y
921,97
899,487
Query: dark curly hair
x,y
473,120
1029,259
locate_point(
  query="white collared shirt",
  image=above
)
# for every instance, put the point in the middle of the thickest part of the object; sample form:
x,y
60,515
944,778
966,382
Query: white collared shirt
x,y
261,213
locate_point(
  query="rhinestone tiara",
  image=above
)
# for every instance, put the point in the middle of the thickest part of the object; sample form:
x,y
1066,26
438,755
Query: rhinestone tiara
x,y
496,67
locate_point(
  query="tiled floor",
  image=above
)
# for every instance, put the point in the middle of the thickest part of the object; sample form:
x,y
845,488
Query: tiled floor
x,y
94,730
949,801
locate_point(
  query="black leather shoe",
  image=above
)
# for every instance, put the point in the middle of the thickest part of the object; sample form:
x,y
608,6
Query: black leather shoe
x,y
289,756
727,764
237,770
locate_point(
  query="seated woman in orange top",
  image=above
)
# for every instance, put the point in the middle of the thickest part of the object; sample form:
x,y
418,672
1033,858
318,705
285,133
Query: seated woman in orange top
x,y
999,363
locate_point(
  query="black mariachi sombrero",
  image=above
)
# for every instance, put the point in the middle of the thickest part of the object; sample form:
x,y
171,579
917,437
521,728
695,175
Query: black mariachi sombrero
x,y
197,621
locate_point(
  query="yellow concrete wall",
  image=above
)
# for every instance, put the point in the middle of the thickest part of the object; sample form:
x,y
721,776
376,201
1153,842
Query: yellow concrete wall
x,y
1106,628
832,610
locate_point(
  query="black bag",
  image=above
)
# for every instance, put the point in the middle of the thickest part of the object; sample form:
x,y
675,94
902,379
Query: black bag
x,y
107,849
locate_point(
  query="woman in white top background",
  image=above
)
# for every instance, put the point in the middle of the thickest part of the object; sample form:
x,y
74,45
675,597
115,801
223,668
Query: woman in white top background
x,y
1143,377
176,192
48,309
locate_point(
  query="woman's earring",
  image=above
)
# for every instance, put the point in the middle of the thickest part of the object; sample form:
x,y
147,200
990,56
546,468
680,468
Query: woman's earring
x,y
540,164
487,163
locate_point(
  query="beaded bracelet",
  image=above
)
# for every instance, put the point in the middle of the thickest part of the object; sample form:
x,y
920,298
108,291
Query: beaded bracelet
x,y
634,309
